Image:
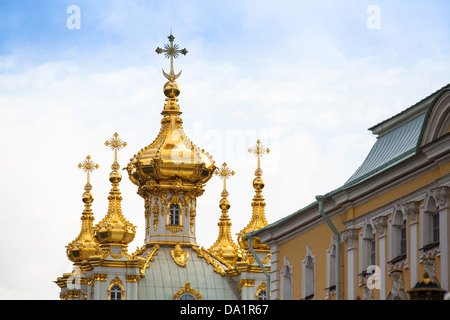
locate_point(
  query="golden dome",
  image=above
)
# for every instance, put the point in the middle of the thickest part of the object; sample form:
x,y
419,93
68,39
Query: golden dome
x,y
258,219
85,246
225,249
114,229
171,89
171,155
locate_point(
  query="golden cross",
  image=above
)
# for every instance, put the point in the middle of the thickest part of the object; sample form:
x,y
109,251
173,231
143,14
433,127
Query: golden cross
x,y
259,150
116,144
224,173
171,51
88,166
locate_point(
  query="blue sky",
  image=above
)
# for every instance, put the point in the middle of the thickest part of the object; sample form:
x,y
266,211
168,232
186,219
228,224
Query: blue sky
x,y
306,77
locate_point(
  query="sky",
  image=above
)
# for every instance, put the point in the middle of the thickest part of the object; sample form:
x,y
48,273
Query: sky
x,y
308,78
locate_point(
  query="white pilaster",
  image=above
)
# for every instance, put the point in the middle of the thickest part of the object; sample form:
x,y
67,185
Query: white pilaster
x,y
380,224
350,236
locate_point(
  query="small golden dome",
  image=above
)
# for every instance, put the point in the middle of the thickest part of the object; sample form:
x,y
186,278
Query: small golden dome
x,y
171,89
224,204
114,229
85,246
115,177
87,197
258,183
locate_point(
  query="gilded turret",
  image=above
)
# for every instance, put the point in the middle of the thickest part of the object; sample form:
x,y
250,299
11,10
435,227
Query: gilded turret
x,y
258,219
225,248
171,172
114,229
85,246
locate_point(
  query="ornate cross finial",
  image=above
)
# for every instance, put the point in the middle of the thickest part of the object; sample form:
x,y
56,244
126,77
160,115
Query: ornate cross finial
x,y
88,166
115,143
171,51
224,173
259,150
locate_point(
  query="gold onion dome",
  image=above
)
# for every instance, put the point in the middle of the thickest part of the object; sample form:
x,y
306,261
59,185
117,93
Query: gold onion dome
x,y
171,155
114,229
258,219
427,288
85,246
225,248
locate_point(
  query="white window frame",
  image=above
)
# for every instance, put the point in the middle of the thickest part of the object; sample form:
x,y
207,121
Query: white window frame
x,y
308,275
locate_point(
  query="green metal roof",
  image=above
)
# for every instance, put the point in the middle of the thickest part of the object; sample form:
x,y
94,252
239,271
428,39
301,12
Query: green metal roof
x,y
163,278
390,149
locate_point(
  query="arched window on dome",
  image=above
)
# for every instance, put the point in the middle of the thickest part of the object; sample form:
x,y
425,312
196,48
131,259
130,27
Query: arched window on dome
x,y
174,215
115,293
187,293
261,292
262,295
187,296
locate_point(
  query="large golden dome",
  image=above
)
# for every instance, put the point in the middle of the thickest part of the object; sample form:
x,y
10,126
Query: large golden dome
x,y
171,155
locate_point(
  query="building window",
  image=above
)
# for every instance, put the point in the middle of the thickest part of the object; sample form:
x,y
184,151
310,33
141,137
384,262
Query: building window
x,y
286,280
398,242
429,225
436,228
331,269
403,238
373,249
308,280
174,215
187,293
186,296
115,293
261,292
369,246
262,295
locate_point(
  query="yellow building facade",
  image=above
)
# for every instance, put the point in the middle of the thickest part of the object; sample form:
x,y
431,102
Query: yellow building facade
x,y
388,225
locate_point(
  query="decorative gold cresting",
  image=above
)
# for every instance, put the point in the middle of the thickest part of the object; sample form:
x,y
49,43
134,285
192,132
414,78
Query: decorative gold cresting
x,y
114,229
225,248
85,246
187,290
258,219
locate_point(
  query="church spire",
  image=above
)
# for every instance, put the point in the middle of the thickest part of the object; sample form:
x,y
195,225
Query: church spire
x,y
171,172
225,248
114,229
258,219
85,245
